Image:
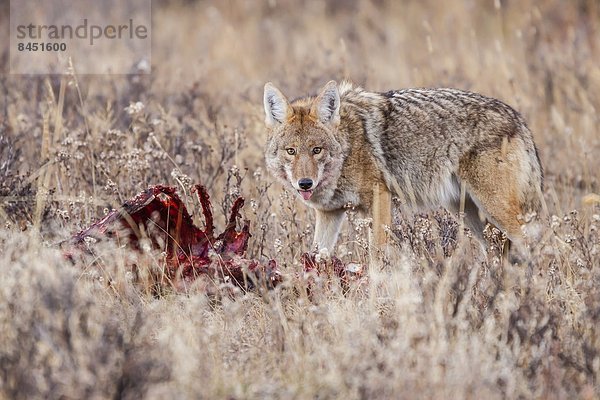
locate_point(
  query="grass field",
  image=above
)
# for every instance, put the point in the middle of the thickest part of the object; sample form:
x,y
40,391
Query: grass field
x,y
435,318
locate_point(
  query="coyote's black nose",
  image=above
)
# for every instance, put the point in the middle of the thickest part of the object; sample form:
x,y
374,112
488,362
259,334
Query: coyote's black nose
x,y
305,183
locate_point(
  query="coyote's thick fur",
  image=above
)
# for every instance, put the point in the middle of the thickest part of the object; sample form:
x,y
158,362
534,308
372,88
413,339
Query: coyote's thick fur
x,y
350,146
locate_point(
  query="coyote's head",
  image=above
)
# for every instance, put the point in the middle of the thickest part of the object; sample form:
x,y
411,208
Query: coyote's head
x,y
302,150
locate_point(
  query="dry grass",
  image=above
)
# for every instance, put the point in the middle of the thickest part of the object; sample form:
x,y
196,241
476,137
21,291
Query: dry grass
x,y
436,319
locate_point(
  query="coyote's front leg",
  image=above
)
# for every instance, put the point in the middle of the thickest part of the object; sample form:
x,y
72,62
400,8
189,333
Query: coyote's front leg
x,y
382,214
327,229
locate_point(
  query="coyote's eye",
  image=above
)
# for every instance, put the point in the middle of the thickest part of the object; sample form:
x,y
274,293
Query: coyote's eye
x,y
317,150
291,151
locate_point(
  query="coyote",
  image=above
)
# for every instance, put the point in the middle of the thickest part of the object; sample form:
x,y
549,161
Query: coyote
x,y
428,147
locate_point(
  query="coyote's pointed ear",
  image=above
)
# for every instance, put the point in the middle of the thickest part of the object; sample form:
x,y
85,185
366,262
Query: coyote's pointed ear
x,y
277,107
326,106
